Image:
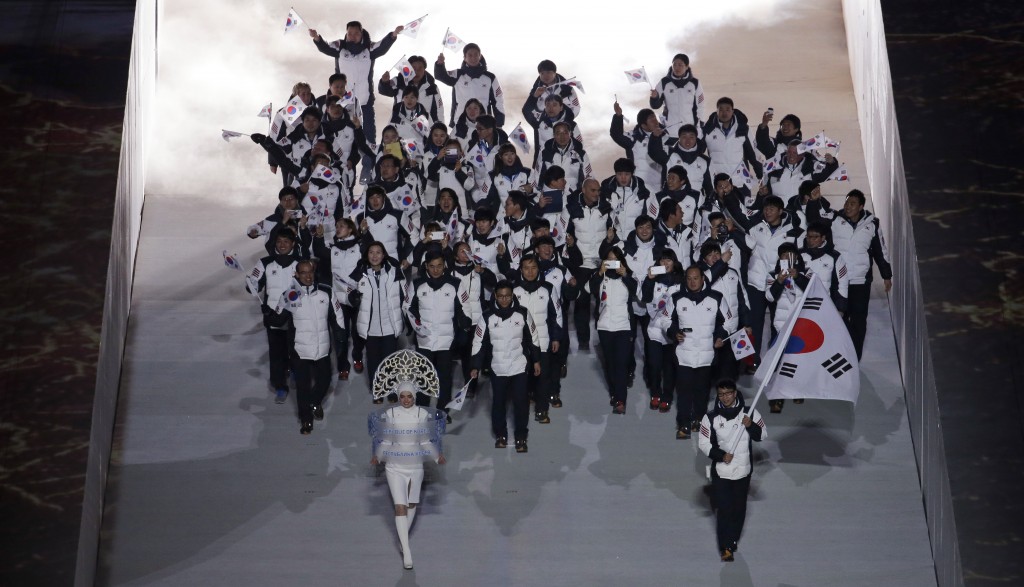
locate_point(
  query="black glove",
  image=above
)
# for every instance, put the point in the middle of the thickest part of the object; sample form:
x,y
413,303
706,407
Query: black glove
x,y
258,138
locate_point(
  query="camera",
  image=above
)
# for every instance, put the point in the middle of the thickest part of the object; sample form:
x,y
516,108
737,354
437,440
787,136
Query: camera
x,y
612,264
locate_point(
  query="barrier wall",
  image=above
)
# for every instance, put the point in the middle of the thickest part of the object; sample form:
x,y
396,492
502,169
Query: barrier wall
x,y
124,240
872,82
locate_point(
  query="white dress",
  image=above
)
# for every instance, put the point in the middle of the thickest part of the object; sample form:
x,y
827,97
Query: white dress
x,y
405,480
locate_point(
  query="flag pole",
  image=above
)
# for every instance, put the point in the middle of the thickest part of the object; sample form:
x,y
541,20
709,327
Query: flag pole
x,y
270,120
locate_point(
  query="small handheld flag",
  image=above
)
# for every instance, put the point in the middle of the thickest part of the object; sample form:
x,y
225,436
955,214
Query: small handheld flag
x,y
459,398
293,21
519,139
741,344
404,68
267,111
839,174
231,261
452,41
413,28
227,135
637,76
293,110
324,173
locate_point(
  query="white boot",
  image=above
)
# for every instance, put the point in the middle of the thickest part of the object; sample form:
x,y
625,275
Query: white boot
x,y
411,515
402,524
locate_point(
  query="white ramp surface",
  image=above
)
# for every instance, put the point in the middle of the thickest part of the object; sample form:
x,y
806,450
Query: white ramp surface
x,y
211,483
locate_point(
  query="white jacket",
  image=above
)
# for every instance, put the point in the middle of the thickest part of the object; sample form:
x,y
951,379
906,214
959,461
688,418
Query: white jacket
x,y
544,308
764,247
512,336
860,246
380,302
311,317
434,309
704,313
613,302
718,436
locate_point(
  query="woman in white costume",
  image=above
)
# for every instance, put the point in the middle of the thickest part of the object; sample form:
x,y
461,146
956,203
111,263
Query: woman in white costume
x,y
405,435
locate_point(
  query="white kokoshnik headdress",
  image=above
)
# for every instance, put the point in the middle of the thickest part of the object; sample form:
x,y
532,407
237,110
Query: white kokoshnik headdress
x,y
406,369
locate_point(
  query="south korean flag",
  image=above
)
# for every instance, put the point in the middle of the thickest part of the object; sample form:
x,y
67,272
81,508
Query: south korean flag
x,y
813,356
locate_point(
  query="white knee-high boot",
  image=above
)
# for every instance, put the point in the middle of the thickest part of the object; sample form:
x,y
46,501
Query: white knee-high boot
x,y
402,524
411,514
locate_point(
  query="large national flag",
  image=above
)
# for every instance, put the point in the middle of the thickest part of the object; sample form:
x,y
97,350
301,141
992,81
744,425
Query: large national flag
x,y
452,41
519,139
813,356
413,28
293,110
293,21
267,111
637,76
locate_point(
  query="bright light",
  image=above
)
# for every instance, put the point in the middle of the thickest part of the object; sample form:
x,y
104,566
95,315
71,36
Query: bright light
x,y
220,62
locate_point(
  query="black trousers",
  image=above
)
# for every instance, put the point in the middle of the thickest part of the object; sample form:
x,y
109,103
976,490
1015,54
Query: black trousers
x,y
502,389
661,377
617,348
730,501
442,361
559,360
640,322
725,366
539,387
581,313
856,317
312,380
758,305
341,338
377,349
279,341
692,386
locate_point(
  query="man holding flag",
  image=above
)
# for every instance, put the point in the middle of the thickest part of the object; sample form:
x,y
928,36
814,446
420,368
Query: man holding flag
x,y
726,436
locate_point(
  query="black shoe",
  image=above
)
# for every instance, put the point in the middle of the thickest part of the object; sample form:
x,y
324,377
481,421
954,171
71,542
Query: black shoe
x,y
775,405
695,425
307,427
727,556
555,401
501,442
584,347
682,433
378,400
521,446
448,418
619,408
796,401
318,411
542,418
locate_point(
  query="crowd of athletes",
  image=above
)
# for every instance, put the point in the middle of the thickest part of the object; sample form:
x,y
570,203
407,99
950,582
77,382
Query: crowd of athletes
x,y
438,232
